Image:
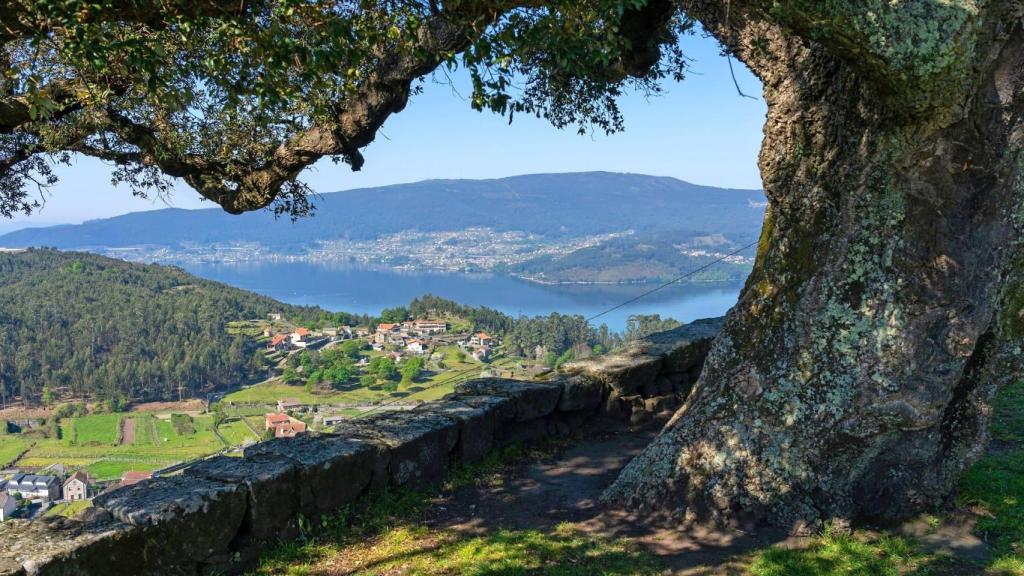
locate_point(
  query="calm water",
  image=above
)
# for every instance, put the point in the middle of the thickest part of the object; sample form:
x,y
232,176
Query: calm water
x,y
363,290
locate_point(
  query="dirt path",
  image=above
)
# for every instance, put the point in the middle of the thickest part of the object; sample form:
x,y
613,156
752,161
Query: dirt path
x,y
127,431
567,488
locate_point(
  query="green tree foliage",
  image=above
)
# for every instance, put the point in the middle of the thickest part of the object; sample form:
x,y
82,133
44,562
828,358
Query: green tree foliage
x,y
49,396
332,366
237,98
394,315
84,325
351,348
411,368
290,375
641,325
383,368
482,318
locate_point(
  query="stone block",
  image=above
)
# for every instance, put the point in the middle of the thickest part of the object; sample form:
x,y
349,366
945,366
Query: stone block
x,y
331,471
626,371
580,393
420,444
272,484
532,399
685,347
475,424
524,432
614,407
501,409
183,520
61,546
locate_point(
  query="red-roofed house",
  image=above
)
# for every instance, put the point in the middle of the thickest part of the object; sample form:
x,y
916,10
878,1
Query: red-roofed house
x,y
279,342
290,429
273,420
481,339
284,426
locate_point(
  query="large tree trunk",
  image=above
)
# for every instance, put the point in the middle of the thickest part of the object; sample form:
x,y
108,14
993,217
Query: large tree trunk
x,y
854,377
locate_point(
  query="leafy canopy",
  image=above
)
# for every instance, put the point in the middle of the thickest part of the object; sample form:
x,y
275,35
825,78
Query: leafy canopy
x,y
236,98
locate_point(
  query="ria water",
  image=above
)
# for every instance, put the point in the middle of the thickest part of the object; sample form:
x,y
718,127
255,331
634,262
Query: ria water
x,y
360,289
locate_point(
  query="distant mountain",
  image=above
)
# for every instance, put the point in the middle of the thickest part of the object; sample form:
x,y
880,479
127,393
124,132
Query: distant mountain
x,y
551,205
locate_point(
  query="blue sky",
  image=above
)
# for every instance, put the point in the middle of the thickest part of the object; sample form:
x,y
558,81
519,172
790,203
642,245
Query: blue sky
x,y
701,130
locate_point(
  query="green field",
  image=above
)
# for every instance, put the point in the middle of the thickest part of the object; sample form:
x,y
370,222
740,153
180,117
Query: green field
x,y
11,445
90,442
69,509
95,430
236,432
428,388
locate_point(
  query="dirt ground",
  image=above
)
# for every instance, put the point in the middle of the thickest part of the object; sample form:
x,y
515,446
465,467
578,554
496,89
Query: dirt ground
x,y
567,487
127,431
187,406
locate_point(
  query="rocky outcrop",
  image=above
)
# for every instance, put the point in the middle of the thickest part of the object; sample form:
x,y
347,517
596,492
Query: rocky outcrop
x,y
220,513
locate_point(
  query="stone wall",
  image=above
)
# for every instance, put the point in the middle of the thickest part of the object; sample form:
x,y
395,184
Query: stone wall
x,y
219,514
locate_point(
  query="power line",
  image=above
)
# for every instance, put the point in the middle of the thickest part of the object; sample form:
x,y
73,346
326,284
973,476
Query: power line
x,y
676,280
671,282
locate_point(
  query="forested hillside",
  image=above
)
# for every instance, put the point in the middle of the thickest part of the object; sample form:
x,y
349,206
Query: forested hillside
x,y
87,325
641,258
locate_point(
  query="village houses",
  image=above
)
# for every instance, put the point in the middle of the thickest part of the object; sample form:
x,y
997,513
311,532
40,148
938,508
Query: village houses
x,y
284,426
301,337
417,346
34,487
76,487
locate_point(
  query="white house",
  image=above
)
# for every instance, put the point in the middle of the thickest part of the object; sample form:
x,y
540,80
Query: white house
x,y
76,487
7,506
431,326
417,347
34,487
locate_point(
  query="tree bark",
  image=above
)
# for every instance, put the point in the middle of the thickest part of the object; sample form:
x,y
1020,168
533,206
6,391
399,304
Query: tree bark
x,y
853,379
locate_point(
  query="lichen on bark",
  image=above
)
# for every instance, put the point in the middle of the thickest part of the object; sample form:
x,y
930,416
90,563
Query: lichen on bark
x,y
853,377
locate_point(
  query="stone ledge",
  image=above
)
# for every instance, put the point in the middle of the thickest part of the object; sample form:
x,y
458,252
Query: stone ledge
x,y
220,513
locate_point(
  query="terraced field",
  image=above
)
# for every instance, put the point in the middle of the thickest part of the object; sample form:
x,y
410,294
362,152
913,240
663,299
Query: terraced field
x,y
94,442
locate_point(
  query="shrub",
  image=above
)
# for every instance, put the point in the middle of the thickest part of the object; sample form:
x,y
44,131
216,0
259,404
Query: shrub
x,y
183,424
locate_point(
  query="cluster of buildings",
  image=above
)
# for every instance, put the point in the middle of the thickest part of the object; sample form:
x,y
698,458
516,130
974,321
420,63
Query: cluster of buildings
x,y
413,336
43,488
303,338
50,486
284,426
479,346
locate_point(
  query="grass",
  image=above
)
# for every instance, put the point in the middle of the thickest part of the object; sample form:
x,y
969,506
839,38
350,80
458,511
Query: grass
x,y
94,430
11,446
837,553
236,432
69,509
995,484
111,468
429,388
274,390
88,443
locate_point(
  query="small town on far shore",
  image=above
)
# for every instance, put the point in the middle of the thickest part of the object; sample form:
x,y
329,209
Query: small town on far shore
x,y
53,461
